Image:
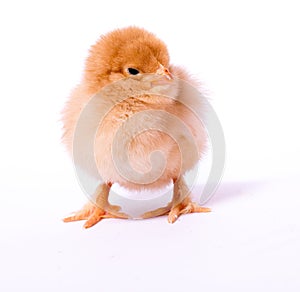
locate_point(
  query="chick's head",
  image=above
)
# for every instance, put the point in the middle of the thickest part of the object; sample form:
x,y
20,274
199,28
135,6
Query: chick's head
x,y
129,52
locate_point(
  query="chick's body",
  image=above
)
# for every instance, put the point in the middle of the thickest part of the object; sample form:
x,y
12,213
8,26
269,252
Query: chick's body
x,y
133,53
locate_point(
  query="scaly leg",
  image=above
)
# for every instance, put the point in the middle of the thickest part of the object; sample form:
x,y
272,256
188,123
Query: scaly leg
x,y
95,212
180,204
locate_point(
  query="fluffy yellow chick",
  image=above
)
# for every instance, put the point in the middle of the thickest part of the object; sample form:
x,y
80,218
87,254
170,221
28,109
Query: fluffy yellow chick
x,y
134,53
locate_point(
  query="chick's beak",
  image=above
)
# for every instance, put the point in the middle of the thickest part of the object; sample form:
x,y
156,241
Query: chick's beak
x,y
164,72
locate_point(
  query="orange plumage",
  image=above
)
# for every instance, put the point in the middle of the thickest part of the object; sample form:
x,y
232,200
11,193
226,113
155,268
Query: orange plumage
x,y
134,53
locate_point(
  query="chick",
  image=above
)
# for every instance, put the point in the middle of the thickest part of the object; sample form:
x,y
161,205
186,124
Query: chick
x,y
134,53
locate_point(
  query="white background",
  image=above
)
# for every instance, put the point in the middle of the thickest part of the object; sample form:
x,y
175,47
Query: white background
x,y
247,55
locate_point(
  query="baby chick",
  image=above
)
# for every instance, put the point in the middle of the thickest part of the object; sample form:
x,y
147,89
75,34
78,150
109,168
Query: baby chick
x,y
139,56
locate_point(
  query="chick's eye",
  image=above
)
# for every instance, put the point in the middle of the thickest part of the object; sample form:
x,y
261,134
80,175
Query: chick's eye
x,y
133,71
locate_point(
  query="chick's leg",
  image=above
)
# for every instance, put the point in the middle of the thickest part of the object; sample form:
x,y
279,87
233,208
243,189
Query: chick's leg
x,y
182,203
95,212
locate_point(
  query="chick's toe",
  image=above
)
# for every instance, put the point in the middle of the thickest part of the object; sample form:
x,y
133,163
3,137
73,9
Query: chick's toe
x,y
93,214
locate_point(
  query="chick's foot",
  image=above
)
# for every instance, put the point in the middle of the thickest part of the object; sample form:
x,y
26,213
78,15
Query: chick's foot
x,y
93,214
185,207
157,212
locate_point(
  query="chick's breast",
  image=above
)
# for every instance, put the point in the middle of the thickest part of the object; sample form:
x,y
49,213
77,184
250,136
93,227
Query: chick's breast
x,y
146,142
